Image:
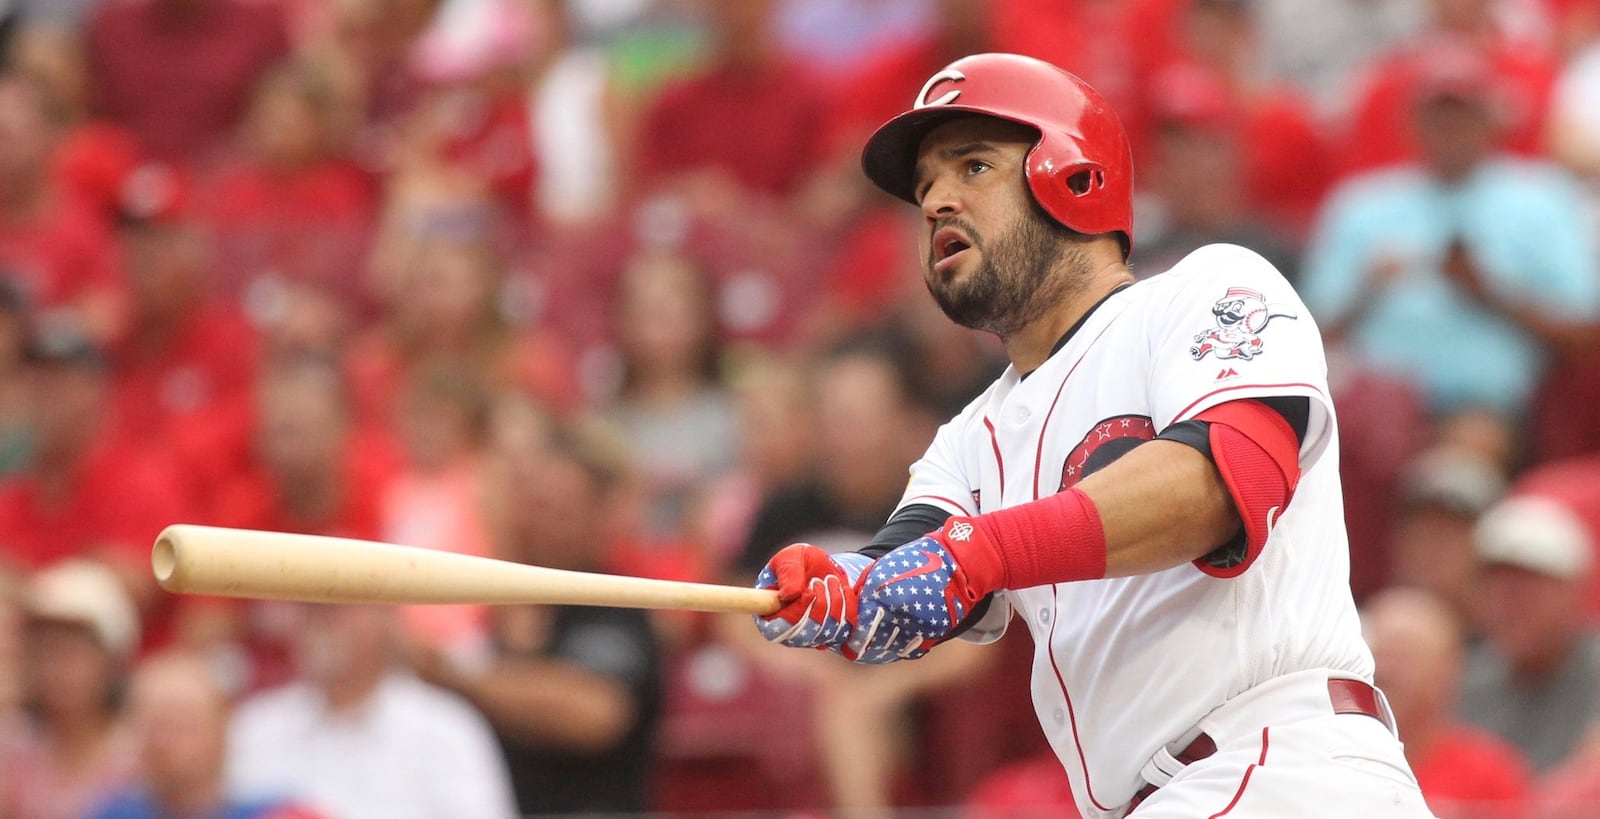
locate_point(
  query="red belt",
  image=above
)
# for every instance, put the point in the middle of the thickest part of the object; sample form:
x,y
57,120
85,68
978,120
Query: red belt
x,y
1347,696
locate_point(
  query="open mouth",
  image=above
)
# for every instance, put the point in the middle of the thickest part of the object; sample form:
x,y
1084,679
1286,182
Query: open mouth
x,y
947,244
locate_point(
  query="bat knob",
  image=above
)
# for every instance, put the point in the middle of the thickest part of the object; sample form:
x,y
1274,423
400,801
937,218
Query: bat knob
x,y
164,560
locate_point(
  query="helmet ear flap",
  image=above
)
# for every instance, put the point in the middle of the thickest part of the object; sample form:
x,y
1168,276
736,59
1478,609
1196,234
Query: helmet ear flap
x,y
1074,189
1066,185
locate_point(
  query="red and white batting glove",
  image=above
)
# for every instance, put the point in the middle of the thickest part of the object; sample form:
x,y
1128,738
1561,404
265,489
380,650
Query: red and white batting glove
x,y
818,593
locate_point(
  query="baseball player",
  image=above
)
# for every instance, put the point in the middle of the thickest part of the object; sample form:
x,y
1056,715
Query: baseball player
x,y
1152,485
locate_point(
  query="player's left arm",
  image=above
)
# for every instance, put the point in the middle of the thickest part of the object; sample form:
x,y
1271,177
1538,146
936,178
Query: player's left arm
x,y
1257,414
1207,491
1252,449
1207,496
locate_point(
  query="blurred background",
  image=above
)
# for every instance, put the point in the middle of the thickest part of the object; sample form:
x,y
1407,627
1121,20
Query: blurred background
x,y
597,284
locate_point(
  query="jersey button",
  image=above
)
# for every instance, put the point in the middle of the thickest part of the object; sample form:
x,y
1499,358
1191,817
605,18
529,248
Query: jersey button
x,y
1060,716
1021,414
1044,615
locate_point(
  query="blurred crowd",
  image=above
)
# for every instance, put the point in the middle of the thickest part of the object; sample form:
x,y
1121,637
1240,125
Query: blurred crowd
x,y
597,284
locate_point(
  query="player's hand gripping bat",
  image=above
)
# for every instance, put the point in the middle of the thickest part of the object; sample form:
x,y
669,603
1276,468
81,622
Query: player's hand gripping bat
x,y
309,568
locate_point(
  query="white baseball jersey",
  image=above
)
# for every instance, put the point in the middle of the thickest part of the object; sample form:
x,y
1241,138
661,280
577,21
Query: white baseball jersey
x,y
1125,666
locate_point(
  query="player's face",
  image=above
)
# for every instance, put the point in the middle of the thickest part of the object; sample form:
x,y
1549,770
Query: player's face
x,y
991,257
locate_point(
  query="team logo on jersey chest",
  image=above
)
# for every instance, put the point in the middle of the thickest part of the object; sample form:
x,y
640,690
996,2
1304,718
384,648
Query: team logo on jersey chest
x,y
1105,442
1240,315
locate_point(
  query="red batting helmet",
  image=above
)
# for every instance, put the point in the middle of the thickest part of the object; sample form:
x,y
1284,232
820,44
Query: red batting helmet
x,y
1080,170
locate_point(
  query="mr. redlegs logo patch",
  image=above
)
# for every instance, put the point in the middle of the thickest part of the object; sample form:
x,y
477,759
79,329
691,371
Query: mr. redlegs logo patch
x,y
1241,315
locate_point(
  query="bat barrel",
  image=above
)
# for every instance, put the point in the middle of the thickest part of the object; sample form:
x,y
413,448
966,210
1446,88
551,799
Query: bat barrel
x,y
279,566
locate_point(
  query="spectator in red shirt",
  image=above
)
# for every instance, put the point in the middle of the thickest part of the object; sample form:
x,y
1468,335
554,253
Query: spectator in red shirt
x,y
444,304
292,206
1114,44
182,370
179,73
1205,174
866,271
93,155
474,112
91,488
1379,131
747,89
1286,165
887,82
1464,772
55,246
314,471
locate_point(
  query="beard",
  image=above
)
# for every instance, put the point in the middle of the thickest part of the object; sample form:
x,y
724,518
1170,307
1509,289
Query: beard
x,y
1020,276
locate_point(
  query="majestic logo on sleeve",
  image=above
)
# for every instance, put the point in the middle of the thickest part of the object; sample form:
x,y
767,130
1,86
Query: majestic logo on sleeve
x,y
1241,315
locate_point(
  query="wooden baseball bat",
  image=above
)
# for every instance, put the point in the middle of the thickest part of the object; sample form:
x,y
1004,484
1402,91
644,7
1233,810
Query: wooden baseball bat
x,y
314,569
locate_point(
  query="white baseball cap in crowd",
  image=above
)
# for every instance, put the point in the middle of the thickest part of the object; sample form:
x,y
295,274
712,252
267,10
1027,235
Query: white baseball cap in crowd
x,y
86,593
1454,478
1537,533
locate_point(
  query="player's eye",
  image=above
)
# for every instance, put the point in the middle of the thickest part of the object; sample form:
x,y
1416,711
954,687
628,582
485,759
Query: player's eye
x,y
977,166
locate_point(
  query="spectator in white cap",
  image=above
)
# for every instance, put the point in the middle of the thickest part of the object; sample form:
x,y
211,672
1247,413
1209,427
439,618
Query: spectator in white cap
x,y
80,627
1533,678
1445,490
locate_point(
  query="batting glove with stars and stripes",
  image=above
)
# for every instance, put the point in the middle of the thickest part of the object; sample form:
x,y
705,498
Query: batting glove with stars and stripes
x,y
915,597
818,593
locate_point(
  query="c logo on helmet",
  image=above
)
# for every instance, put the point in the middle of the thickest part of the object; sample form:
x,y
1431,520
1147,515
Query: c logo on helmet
x,y
947,97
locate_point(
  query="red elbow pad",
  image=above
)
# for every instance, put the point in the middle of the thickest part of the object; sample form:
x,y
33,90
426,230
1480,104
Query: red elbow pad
x,y
1258,455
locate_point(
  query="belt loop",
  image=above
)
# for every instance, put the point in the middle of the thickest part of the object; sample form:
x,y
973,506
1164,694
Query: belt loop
x,y
1386,712
1161,768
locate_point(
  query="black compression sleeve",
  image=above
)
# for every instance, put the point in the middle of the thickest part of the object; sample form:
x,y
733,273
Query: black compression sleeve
x,y
904,526
1296,409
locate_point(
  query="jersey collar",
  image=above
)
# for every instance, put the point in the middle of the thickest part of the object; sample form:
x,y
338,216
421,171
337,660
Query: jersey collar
x,y
1073,330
